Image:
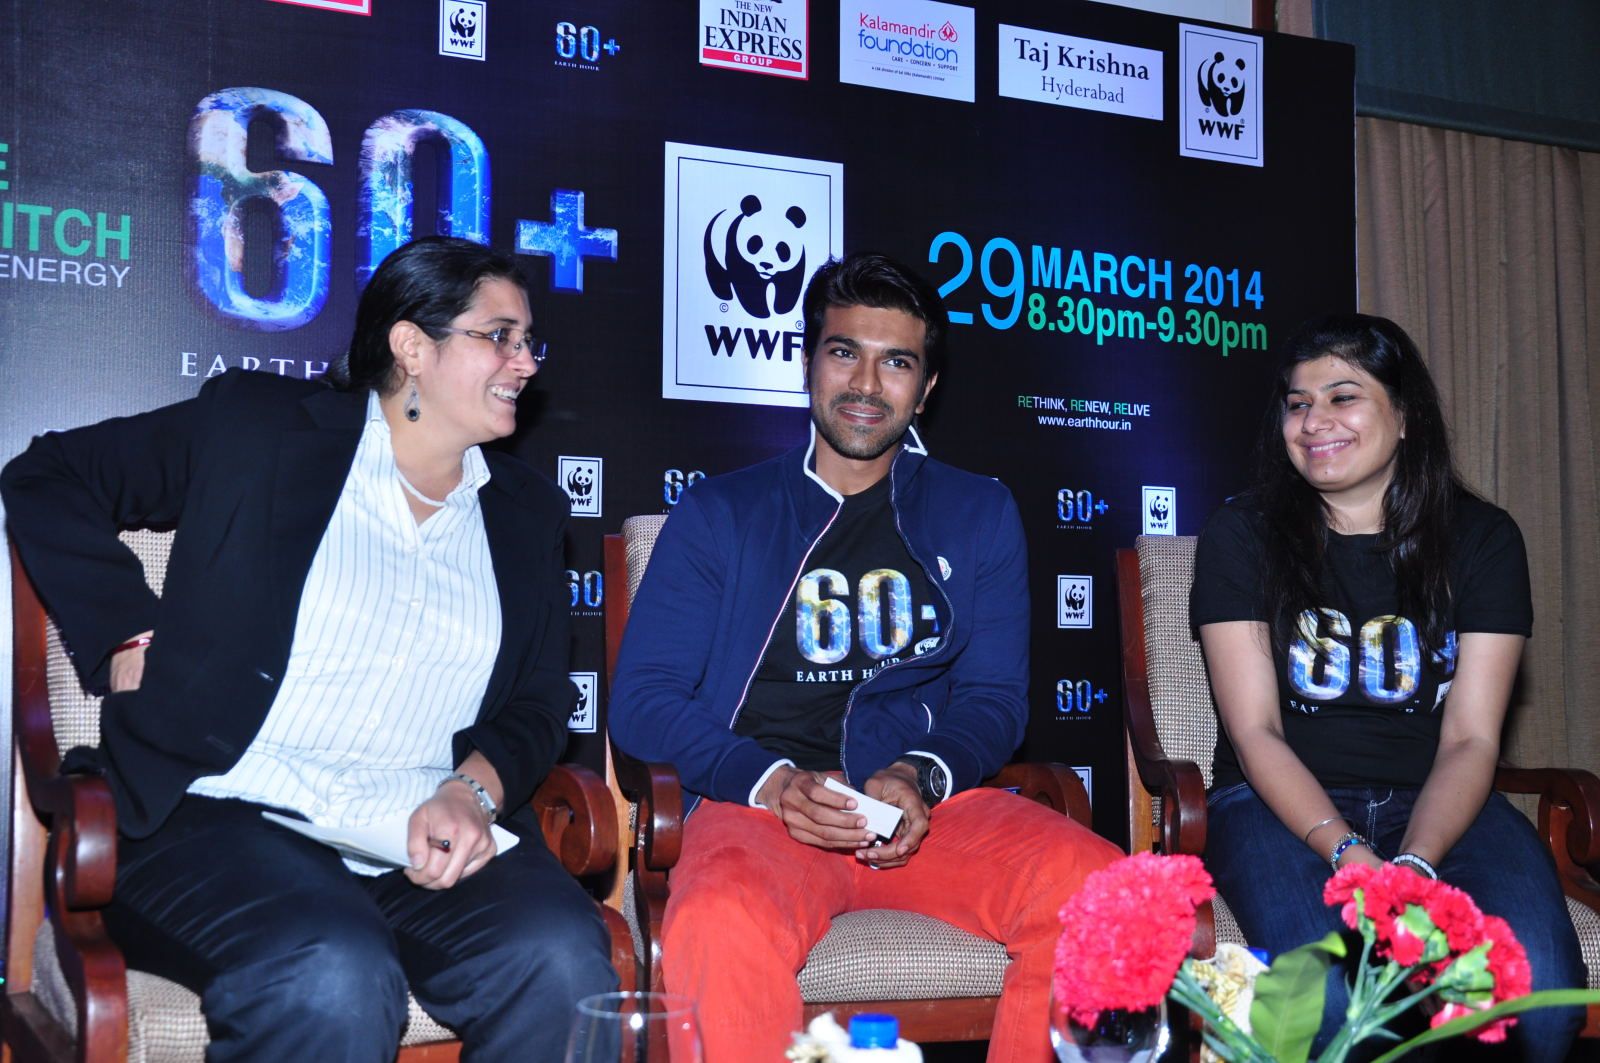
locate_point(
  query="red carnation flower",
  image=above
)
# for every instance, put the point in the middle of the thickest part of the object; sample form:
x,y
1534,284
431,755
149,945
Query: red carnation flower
x,y
1387,892
1341,890
1508,962
1125,933
1459,918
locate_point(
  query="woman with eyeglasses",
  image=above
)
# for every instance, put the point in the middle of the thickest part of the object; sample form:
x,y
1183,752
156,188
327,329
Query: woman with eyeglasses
x,y
364,621
1362,616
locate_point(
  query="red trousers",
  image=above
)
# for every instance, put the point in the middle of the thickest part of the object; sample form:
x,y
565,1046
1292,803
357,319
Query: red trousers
x,y
748,902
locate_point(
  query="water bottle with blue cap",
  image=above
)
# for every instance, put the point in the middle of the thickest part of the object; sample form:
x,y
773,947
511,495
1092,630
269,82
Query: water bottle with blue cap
x,y
875,1038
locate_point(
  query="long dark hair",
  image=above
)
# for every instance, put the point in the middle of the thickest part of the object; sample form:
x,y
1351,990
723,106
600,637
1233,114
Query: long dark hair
x,y
1417,507
429,282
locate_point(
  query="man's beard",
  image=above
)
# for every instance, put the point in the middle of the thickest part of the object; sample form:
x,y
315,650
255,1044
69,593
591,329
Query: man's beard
x,y
864,446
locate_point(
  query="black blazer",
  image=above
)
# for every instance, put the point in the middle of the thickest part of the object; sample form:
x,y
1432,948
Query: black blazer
x,y
249,472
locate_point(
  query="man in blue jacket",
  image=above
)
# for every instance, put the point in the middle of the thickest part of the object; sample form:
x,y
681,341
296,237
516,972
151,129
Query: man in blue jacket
x,y
856,609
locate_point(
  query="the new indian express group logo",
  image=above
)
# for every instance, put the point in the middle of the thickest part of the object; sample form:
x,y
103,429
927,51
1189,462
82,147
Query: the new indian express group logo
x,y
761,36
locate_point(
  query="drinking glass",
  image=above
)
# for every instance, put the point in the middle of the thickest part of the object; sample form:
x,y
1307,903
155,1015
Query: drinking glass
x,y
1119,1035
634,1028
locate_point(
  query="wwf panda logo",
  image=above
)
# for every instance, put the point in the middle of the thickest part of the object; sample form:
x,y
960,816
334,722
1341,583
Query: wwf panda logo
x,y
464,22
756,252
1221,88
580,483
1075,599
583,718
1159,508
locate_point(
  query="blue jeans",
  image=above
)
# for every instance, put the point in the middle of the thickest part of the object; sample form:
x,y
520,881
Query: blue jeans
x,y
1273,884
297,958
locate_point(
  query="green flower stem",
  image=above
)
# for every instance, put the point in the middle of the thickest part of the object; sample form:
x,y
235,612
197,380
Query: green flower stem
x,y
1392,977
1470,1022
1406,1003
1216,1044
1365,999
1367,1014
1220,1032
1340,1046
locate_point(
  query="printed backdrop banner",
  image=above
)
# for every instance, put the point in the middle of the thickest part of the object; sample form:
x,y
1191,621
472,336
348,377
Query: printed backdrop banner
x,y
1124,213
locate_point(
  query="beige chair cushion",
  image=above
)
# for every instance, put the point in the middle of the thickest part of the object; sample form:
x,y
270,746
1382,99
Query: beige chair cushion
x,y
1587,924
889,955
164,1020
74,714
1227,927
868,955
639,538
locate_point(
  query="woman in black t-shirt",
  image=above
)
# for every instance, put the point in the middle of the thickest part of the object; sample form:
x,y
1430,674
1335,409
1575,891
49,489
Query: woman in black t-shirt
x,y
1362,617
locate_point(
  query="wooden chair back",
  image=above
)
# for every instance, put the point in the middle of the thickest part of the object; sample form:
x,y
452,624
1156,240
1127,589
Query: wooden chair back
x,y
1168,696
625,557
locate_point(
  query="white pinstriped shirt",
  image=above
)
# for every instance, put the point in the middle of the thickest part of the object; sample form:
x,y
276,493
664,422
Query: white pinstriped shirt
x,y
397,632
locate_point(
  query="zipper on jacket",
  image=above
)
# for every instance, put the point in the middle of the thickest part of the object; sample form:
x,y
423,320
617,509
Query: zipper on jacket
x,y
783,607
844,722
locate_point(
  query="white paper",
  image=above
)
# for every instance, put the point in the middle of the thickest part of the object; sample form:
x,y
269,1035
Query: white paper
x,y
883,819
377,843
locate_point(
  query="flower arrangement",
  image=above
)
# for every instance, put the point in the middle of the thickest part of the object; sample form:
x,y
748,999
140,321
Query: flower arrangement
x,y
1125,932
1125,938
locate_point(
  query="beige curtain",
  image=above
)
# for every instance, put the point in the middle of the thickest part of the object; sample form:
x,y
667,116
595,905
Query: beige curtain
x,y
1488,252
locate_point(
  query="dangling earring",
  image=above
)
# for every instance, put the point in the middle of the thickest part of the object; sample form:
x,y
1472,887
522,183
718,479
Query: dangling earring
x,y
413,409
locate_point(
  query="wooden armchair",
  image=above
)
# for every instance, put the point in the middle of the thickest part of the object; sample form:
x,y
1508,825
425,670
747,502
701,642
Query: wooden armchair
x,y
941,982
68,993
1172,729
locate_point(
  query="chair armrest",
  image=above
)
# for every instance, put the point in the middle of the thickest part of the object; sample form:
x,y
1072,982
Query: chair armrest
x,y
1569,811
83,822
578,818
80,873
1054,785
659,824
1182,790
657,841
78,810
622,955
1179,783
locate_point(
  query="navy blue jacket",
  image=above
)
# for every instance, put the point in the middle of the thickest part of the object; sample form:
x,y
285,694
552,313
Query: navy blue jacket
x,y
718,585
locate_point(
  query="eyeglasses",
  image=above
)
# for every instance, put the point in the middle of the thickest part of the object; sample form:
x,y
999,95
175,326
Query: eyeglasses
x,y
508,342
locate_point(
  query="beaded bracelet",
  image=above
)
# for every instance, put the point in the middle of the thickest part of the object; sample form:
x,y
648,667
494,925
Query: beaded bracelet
x,y
1344,843
1417,864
